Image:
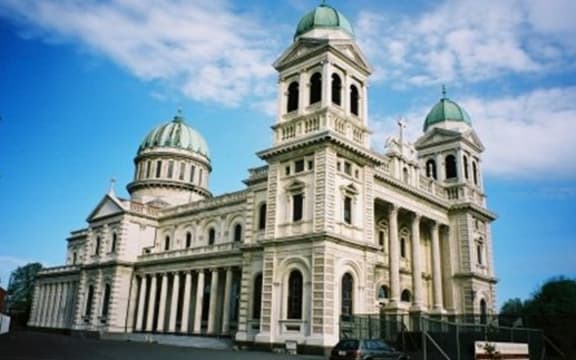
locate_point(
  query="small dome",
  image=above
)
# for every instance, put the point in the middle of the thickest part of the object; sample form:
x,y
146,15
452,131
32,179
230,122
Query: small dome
x,y
326,17
175,134
446,110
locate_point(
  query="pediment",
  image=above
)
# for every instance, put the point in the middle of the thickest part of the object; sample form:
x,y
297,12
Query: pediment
x,y
300,49
295,186
109,205
438,136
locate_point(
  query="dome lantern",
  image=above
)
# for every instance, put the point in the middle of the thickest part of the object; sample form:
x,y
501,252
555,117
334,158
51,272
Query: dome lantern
x,y
323,17
446,111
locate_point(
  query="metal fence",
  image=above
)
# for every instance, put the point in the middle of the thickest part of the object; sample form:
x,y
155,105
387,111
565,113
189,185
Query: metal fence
x,y
440,337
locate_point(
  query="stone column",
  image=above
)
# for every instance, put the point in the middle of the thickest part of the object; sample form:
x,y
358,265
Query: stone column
x,y
199,301
141,303
174,303
326,84
302,95
416,263
186,302
394,256
226,312
53,305
37,305
213,302
151,304
162,308
64,305
436,268
42,306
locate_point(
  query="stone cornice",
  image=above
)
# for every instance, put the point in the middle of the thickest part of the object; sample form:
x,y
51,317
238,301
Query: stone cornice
x,y
155,183
468,275
444,204
485,213
326,136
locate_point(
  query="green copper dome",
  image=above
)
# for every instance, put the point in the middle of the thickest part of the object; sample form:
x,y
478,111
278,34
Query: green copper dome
x,y
177,135
325,17
446,110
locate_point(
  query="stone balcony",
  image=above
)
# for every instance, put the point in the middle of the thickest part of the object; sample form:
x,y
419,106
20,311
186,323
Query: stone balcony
x,y
190,252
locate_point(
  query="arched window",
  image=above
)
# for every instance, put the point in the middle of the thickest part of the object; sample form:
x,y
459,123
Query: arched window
x,y
167,243
465,161
297,206
295,290
293,94
89,300
257,297
211,236
188,239
238,233
315,88
262,216
106,301
347,301
483,312
348,210
97,246
451,167
192,171
148,169
74,258
480,252
475,172
383,292
182,171
403,247
336,89
170,169
354,100
114,240
431,169
158,168
406,296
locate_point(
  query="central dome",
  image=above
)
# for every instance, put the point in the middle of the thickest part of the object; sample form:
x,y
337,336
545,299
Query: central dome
x,y
177,135
446,110
324,17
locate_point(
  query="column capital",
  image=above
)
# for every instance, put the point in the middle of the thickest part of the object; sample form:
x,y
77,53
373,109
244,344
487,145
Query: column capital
x,y
393,208
416,217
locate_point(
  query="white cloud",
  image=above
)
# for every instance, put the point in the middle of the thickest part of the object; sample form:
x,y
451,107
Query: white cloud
x,y
201,48
526,136
469,41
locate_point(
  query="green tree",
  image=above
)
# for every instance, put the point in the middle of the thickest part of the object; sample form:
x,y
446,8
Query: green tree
x,y
20,291
513,307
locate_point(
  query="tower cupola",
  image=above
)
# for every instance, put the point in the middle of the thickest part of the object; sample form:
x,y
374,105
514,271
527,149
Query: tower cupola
x,y
323,17
447,114
172,165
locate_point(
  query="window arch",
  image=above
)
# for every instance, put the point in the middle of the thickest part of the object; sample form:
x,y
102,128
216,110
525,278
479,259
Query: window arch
x,y
188,239
295,290
483,312
97,246
475,172
257,297
383,292
211,236
354,100
293,95
403,247
114,240
336,89
347,296
106,301
89,300
158,168
262,216
451,167
406,296
238,233
167,243
431,169
315,88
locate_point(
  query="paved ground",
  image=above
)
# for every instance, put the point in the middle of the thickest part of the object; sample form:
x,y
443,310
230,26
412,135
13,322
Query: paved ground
x,y
24,345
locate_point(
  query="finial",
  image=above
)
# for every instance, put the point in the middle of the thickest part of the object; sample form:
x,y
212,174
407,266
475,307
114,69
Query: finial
x,y
179,117
443,91
111,189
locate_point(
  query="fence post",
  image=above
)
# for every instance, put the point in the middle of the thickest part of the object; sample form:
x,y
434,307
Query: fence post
x,y
423,334
457,341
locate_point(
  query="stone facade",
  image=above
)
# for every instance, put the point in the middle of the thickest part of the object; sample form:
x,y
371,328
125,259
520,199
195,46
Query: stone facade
x,y
326,229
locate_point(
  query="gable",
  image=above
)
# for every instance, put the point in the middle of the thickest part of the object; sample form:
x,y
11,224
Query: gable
x,y
107,206
437,136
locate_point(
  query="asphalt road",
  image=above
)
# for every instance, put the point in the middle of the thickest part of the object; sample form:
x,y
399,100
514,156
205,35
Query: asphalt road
x,y
24,345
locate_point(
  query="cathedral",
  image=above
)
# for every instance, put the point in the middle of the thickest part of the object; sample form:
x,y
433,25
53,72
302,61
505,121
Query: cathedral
x,y
327,228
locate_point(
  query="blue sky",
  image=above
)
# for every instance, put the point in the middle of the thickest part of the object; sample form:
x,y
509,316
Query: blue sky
x,y
82,82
